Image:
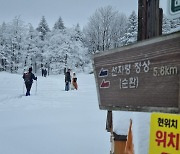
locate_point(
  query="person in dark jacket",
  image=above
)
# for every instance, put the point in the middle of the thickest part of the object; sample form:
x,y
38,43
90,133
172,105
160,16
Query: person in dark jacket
x,y
45,72
67,80
28,80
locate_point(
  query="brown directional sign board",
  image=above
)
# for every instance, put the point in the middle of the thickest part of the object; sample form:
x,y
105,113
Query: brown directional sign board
x,y
144,76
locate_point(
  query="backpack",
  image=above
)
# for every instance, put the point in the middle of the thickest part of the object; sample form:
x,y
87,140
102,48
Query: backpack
x,y
27,77
74,79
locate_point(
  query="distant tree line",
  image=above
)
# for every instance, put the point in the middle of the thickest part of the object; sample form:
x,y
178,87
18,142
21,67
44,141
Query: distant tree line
x,y
108,29
23,45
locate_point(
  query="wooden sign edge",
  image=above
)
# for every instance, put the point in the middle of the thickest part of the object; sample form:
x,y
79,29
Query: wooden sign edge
x,y
138,44
141,109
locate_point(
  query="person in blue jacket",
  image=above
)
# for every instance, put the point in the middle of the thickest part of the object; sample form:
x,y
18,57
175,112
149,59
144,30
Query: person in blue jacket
x,y
28,80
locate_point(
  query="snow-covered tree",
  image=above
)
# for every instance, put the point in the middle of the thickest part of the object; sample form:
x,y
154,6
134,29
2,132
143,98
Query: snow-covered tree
x,y
104,29
118,30
23,46
175,24
63,44
4,47
131,30
3,31
32,48
12,38
59,24
78,33
166,27
43,28
18,32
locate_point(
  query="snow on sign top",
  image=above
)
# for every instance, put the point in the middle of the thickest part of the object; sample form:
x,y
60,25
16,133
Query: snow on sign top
x,y
173,9
140,77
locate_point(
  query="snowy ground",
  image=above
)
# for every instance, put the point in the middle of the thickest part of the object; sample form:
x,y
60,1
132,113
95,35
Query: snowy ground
x,y
51,121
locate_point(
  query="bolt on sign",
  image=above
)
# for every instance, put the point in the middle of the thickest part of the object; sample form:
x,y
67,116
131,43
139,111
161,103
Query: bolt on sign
x,y
144,76
164,134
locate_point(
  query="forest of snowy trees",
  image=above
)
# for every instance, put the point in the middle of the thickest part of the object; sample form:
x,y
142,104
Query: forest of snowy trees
x,y
23,45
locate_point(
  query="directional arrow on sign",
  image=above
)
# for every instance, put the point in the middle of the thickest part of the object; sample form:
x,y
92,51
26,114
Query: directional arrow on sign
x,y
105,84
103,72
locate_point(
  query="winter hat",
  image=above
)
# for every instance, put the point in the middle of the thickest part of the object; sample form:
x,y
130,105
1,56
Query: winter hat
x,y
30,69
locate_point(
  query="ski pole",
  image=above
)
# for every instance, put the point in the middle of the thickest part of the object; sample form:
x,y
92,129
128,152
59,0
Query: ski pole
x,y
23,87
36,87
23,81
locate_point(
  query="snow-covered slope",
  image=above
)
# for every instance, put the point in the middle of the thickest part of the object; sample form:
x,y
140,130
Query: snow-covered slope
x,y
51,121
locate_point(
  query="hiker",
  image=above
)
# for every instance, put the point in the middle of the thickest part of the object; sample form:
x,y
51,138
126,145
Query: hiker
x,y
42,71
74,82
45,72
67,80
28,79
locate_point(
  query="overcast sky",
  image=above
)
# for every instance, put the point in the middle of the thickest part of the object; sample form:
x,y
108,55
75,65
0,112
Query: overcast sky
x,y
71,11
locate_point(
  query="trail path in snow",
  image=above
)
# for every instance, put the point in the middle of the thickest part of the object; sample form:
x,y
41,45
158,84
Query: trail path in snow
x,y
51,121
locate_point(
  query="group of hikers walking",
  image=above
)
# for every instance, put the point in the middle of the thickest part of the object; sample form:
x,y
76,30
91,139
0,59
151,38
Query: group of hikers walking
x,y
70,81
44,72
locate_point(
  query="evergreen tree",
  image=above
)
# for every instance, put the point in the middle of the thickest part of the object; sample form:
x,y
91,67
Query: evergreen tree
x,y
43,28
17,32
78,33
32,48
2,33
5,46
59,25
31,32
131,32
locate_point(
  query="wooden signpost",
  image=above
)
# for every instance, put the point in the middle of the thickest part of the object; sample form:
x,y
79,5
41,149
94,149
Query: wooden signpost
x,y
144,76
141,77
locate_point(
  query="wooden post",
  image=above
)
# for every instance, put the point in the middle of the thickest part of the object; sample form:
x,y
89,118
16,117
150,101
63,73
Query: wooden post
x,y
119,143
142,20
149,19
179,95
149,25
152,18
160,20
109,125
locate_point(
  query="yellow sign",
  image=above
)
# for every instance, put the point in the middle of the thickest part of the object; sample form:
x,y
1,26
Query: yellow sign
x,y
164,134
